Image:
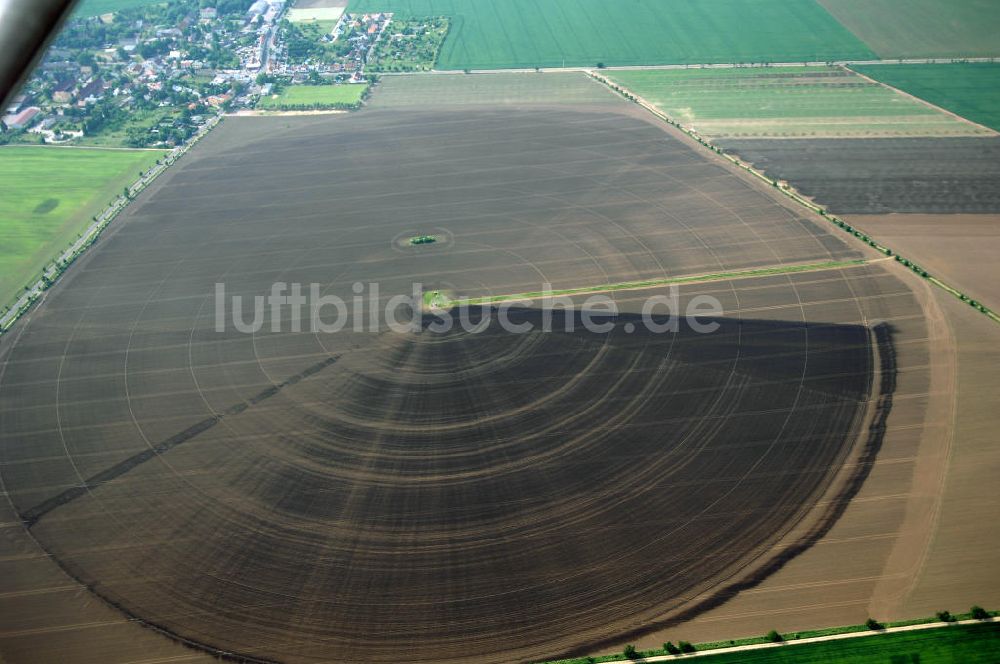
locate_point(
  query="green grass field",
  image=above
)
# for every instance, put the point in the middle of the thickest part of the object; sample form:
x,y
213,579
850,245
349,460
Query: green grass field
x,y
98,7
956,644
325,26
503,89
787,102
497,34
50,195
295,96
922,28
971,90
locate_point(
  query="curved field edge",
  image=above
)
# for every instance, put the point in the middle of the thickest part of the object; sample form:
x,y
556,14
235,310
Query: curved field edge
x,y
167,208
815,522
802,531
504,34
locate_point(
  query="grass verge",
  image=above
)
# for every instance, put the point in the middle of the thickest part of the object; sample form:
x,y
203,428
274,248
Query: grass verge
x,y
653,283
975,642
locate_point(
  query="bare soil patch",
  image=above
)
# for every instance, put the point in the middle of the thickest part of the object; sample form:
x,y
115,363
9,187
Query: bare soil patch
x,y
884,175
961,249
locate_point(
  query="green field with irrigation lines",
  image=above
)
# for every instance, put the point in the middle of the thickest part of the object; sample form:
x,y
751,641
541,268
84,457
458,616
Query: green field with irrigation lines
x,y
787,102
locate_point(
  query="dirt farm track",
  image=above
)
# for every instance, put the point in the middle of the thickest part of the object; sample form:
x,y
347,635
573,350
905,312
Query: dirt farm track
x,y
371,496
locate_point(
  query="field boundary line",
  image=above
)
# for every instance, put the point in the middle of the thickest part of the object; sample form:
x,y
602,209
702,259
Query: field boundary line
x,y
703,65
666,281
862,632
791,193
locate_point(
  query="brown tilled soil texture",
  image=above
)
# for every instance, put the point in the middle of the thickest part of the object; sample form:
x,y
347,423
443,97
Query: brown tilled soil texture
x,y
883,175
375,496
961,249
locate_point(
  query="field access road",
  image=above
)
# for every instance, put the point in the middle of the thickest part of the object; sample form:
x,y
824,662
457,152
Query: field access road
x,y
814,639
89,236
717,65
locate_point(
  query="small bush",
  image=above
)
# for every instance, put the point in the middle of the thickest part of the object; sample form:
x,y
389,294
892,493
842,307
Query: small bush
x,y
630,652
945,616
685,646
774,637
671,649
873,624
979,613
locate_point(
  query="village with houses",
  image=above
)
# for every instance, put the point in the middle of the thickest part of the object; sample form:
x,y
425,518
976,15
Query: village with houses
x,y
151,76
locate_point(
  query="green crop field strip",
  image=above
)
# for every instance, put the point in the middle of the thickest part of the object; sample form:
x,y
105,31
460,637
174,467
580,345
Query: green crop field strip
x,y
98,7
971,90
787,102
922,28
653,283
316,96
497,34
968,644
50,195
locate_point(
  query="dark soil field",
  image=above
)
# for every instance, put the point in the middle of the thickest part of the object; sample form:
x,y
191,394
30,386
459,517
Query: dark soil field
x,y
879,176
371,496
